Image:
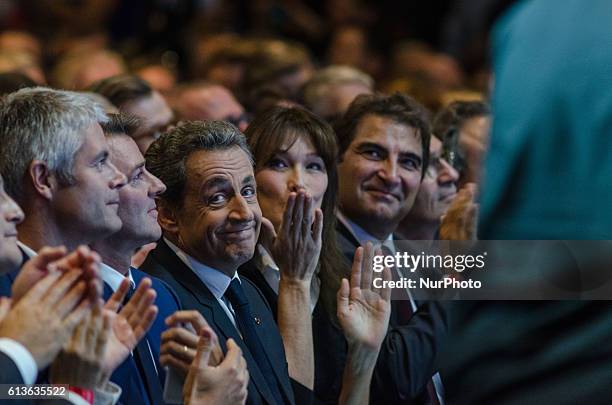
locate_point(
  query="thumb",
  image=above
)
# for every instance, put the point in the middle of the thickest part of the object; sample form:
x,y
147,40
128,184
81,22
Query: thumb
x,y
267,234
47,255
233,353
342,299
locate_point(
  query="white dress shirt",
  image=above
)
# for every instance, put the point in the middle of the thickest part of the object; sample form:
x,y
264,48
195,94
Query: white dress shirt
x,y
216,281
113,277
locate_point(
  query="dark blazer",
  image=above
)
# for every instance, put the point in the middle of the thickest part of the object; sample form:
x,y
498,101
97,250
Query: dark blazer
x,y
127,375
407,357
163,263
9,373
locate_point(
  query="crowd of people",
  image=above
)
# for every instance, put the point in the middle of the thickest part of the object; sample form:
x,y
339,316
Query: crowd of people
x,y
205,233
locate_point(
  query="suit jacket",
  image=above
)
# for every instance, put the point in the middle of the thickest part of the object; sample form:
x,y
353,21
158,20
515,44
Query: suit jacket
x,y
127,375
9,373
408,355
163,263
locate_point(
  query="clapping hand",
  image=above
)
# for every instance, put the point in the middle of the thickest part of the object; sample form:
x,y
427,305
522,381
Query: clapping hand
x,y
225,384
130,324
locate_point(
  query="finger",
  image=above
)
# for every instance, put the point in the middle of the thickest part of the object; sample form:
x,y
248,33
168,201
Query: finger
x,y
194,318
233,355
366,266
288,215
72,320
298,215
356,269
342,298
386,291
5,307
147,320
93,329
134,302
116,300
71,299
317,229
205,345
146,302
181,336
103,336
307,217
178,351
47,255
59,289
267,233
168,360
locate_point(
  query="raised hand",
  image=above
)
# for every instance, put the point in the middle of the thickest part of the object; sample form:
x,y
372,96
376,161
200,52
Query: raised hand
x,y
225,384
57,259
80,363
461,219
130,324
179,342
45,317
297,246
364,310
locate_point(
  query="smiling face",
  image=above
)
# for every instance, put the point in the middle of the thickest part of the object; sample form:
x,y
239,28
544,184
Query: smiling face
x,y
137,208
219,218
438,188
10,216
294,167
380,173
89,205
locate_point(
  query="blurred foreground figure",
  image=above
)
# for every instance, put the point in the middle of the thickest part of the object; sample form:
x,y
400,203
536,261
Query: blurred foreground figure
x,y
547,177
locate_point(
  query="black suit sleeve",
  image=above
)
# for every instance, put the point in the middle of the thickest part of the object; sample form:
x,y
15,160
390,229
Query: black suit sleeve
x,y
407,357
9,373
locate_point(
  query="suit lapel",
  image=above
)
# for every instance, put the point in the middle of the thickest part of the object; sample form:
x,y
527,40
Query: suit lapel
x,y
190,281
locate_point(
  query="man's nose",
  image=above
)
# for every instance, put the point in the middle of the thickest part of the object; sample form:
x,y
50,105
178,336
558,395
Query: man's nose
x,y
447,173
389,172
240,210
157,187
118,179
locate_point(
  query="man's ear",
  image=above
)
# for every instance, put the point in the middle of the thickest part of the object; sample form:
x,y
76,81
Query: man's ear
x,y
166,218
43,181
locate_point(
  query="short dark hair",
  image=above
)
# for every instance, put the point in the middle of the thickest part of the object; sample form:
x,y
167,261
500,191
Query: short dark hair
x,y
167,156
456,113
120,124
121,89
399,107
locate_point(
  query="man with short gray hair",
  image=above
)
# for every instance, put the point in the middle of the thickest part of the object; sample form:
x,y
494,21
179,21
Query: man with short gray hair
x,y
54,160
331,90
210,222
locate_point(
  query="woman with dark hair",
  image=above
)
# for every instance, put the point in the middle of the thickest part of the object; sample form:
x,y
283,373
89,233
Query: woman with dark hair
x,y
297,264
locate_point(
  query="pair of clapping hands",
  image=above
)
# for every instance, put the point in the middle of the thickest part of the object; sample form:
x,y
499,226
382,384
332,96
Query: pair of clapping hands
x,y
57,314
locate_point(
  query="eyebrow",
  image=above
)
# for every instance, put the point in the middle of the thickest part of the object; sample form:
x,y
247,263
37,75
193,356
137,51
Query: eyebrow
x,y
102,155
214,182
248,180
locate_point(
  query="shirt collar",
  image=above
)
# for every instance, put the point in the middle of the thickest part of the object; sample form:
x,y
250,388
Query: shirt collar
x,y
113,277
359,233
27,250
216,281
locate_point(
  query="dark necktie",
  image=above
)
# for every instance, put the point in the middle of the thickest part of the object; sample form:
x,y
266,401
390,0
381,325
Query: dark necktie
x,y
146,365
405,313
244,318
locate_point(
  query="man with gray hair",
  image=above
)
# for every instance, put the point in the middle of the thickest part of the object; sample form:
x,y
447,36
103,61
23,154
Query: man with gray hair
x,y
55,163
210,221
331,90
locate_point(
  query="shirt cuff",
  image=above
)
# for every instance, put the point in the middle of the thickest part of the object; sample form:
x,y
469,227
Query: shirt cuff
x,y
107,395
22,358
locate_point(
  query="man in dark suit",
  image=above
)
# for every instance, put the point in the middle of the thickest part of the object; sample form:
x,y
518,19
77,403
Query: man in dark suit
x,y
141,376
384,151
210,220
